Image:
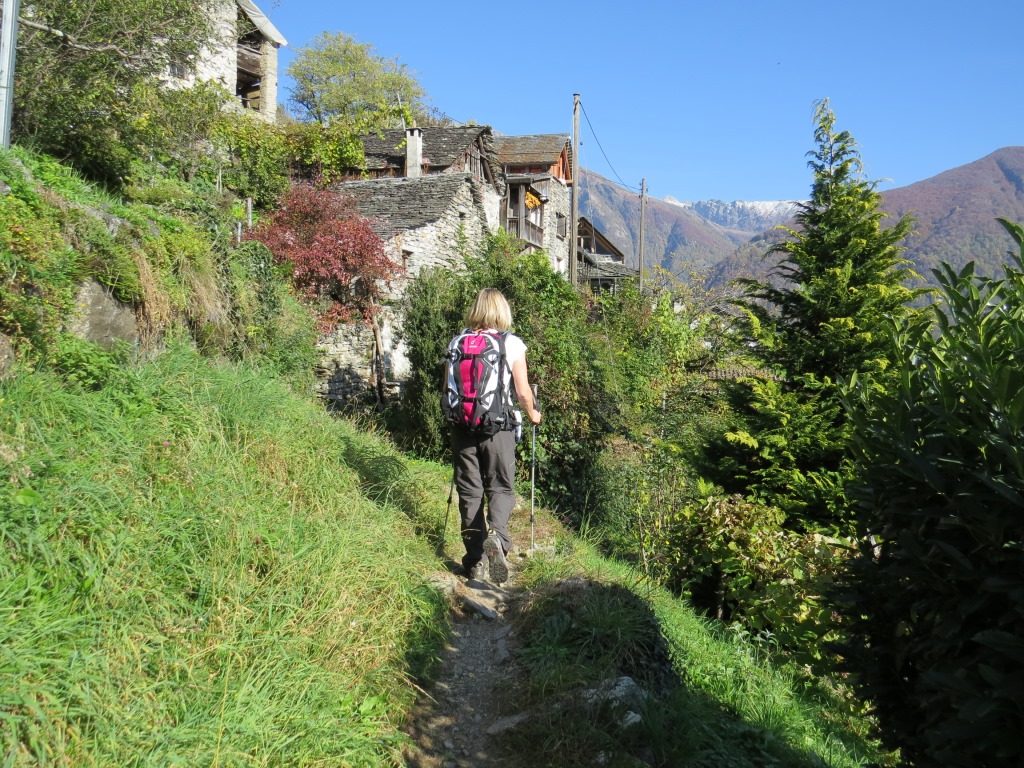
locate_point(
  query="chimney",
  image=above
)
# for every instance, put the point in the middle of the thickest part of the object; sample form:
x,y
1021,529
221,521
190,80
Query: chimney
x,y
414,152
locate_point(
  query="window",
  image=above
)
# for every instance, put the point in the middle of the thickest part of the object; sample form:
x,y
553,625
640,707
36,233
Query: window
x,y
177,70
561,226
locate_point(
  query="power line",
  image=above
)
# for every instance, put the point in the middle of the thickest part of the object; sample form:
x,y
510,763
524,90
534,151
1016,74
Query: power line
x,y
594,134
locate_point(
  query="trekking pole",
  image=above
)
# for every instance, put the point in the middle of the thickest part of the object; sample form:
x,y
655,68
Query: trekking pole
x,y
451,493
533,470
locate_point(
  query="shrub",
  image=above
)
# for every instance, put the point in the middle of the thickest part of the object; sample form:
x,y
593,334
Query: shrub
x,y
323,152
937,607
259,156
433,310
737,562
336,261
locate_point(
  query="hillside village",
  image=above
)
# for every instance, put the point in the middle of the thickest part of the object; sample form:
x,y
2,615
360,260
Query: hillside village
x,y
433,194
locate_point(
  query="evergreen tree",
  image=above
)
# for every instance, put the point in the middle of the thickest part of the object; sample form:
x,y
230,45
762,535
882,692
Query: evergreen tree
x,y
816,321
841,276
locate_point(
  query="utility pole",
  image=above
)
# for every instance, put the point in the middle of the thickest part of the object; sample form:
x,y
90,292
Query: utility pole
x,y
8,49
574,224
643,208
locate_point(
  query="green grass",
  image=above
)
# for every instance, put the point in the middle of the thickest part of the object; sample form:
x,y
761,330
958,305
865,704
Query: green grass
x,y
191,573
718,699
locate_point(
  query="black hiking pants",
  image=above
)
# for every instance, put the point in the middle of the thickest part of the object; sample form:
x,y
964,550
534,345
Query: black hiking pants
x,y
484,465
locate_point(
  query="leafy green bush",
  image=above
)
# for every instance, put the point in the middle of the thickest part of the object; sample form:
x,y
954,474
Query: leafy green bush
x,y
322,152
937,603
259,158
433,311
738,563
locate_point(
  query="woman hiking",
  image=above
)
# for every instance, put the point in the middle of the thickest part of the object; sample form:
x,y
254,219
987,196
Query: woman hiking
x,y
487,364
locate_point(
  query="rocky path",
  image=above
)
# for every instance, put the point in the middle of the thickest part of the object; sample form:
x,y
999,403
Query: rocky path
x,y
472,698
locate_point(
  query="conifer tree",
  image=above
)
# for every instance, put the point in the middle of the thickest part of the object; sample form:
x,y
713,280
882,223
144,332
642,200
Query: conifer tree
x,y
816,321
841,275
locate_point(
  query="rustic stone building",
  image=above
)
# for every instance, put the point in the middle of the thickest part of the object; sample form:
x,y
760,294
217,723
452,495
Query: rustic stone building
x,y
538,203
243,59
426,221
433,195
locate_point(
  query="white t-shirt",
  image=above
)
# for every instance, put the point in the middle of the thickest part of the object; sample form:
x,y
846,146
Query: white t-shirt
x,y
515,349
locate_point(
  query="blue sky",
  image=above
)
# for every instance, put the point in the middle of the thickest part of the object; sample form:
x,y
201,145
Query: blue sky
x,y
711,99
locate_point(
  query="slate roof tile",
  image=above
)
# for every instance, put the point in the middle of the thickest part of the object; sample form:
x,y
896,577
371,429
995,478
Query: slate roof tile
x,y
401,204
544,148
442,146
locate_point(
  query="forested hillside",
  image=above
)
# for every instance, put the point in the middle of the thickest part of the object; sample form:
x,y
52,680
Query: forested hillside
x,y
955,222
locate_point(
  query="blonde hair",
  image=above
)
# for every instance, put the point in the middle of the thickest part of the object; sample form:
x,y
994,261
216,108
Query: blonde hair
x,y
489,310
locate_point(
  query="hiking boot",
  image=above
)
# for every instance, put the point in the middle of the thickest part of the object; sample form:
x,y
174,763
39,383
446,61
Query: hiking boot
x,y
496,563
476,573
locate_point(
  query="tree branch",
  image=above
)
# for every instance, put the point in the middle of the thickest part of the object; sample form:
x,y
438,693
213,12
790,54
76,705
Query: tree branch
x,y
69,41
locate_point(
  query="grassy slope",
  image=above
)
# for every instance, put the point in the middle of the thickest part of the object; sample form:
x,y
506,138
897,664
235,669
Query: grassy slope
x,y
726,705
197,577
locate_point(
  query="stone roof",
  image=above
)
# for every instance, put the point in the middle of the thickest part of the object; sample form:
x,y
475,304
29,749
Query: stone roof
x,y
539,149
442,146
595,266
261,22
400,204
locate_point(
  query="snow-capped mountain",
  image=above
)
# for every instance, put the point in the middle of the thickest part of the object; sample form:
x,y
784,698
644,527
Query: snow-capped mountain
x,y
746,216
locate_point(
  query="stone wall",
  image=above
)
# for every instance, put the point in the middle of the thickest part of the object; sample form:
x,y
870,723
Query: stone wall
x,y
345,370
559,202
219,61
268,81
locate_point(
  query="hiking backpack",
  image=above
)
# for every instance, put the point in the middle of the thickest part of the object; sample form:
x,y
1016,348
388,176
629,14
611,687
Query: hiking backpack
x,y
475,397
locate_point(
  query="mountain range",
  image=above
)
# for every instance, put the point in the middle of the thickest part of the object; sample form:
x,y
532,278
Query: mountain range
x,y
955,214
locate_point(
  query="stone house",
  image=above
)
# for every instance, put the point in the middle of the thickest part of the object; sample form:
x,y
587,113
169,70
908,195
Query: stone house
x,y
602,264
537,206
425,221
243,58
415,152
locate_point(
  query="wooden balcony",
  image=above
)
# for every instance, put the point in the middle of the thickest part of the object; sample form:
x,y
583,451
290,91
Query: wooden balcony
x,y
526,230
250,60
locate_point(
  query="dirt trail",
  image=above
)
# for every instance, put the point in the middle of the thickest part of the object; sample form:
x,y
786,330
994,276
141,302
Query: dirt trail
x,y
473,697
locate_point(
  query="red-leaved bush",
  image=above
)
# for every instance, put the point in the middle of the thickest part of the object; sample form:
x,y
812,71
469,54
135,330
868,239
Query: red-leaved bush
x,y
338,263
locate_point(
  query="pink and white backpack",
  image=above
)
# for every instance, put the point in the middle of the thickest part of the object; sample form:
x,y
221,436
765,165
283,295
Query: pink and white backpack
x,y
475,396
